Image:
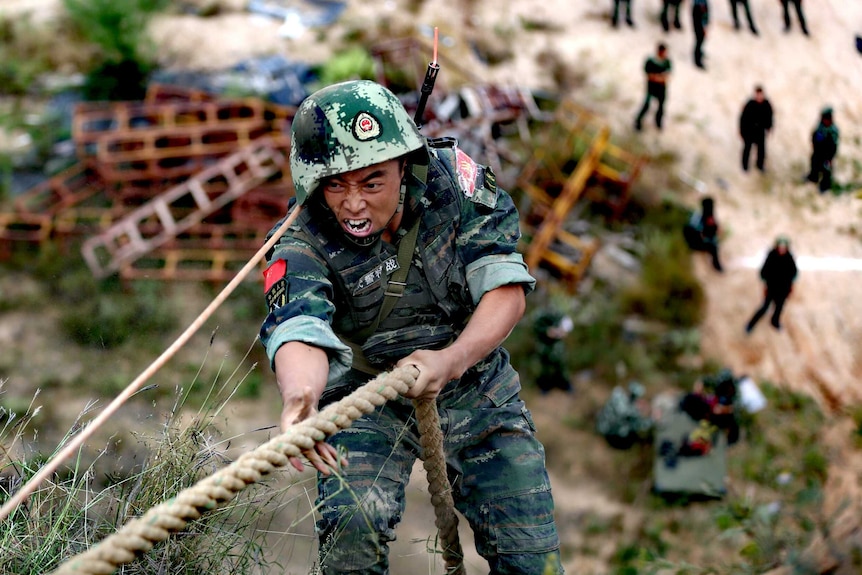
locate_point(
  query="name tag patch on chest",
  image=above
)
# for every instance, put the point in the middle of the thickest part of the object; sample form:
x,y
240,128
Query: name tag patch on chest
x,y
374,276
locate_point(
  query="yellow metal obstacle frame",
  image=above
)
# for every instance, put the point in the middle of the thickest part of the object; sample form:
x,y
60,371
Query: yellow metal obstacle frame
x,y
575,159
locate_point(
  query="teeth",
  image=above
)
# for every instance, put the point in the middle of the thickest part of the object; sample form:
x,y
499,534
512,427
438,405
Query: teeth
x,y
356,224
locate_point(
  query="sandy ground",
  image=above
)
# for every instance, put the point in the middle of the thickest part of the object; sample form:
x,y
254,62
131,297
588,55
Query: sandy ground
x,y
818,352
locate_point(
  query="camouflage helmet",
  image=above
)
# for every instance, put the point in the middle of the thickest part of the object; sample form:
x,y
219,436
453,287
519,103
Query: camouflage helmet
x,y
349,126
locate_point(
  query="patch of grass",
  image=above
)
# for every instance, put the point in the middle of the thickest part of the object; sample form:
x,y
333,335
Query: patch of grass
x,y
801,420
536,25
353,63
80,506
668,292
116,315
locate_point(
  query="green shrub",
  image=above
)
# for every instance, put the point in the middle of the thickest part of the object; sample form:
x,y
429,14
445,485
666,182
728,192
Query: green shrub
x,y
351,64
127,54
668,291
28,50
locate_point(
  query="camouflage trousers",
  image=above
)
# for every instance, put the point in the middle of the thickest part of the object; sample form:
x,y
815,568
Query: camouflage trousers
x,y
495,465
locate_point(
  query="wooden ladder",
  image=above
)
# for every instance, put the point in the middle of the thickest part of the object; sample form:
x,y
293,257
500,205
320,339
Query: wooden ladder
x,y
180,208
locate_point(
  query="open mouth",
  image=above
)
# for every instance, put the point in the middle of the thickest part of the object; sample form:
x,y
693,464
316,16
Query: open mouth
x,y
357,227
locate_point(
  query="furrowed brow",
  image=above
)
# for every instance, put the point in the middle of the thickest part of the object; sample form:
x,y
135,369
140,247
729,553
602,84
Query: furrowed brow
x,y
373,175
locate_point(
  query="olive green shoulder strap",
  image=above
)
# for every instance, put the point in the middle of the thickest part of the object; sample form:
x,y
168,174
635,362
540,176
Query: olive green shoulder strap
x,y
397,281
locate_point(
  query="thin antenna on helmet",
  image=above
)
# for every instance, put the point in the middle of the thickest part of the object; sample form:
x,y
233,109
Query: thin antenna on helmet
x,y
427,85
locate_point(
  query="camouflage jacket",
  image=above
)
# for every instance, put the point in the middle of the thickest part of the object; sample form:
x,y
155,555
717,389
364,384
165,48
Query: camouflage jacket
x,y
323,289
825,140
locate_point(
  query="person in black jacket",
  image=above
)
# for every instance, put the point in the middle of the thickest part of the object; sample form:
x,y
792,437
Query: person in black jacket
x,y
754,123
666,8
778,274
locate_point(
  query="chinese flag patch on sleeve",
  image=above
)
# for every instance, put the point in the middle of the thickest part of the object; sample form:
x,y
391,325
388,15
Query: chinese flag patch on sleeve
x,y
275,284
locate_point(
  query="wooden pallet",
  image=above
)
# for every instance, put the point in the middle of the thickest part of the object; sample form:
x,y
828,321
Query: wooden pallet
x,y
43,212
138,141
171,264
158,93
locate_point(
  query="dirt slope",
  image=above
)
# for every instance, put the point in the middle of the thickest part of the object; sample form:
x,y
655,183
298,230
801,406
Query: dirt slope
x,y
818,352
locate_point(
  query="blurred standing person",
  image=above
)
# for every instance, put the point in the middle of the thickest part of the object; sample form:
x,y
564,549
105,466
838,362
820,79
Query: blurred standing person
x,y
657,69
778,274
616,15
666,7
824,146
700,21
798,5
734,4
754,124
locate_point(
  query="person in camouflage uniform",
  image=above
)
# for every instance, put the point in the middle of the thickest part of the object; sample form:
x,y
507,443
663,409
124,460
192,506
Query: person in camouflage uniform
x,y
367,181
824,146
624,419
551,328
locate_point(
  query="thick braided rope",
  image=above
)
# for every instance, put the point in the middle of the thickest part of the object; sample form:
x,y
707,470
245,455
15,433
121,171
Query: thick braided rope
x,y
431,439
140,535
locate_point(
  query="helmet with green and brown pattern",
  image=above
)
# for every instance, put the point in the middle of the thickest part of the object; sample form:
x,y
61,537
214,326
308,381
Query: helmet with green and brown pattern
x,y
349,126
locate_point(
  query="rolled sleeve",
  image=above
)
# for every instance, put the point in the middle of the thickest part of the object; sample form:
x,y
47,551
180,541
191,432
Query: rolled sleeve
x,y
493,271
316,332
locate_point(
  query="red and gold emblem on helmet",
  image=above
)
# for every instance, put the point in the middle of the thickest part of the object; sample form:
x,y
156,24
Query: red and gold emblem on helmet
x,y
365,127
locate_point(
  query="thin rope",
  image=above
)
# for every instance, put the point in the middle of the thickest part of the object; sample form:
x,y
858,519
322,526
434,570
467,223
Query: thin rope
x,y
51,465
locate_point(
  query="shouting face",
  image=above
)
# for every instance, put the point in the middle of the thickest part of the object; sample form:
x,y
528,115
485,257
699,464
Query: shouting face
x,y
366,201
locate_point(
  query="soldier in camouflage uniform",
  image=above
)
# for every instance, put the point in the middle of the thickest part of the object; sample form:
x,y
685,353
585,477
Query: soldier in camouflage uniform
x,y
824,146
624,419
367,182
551,328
